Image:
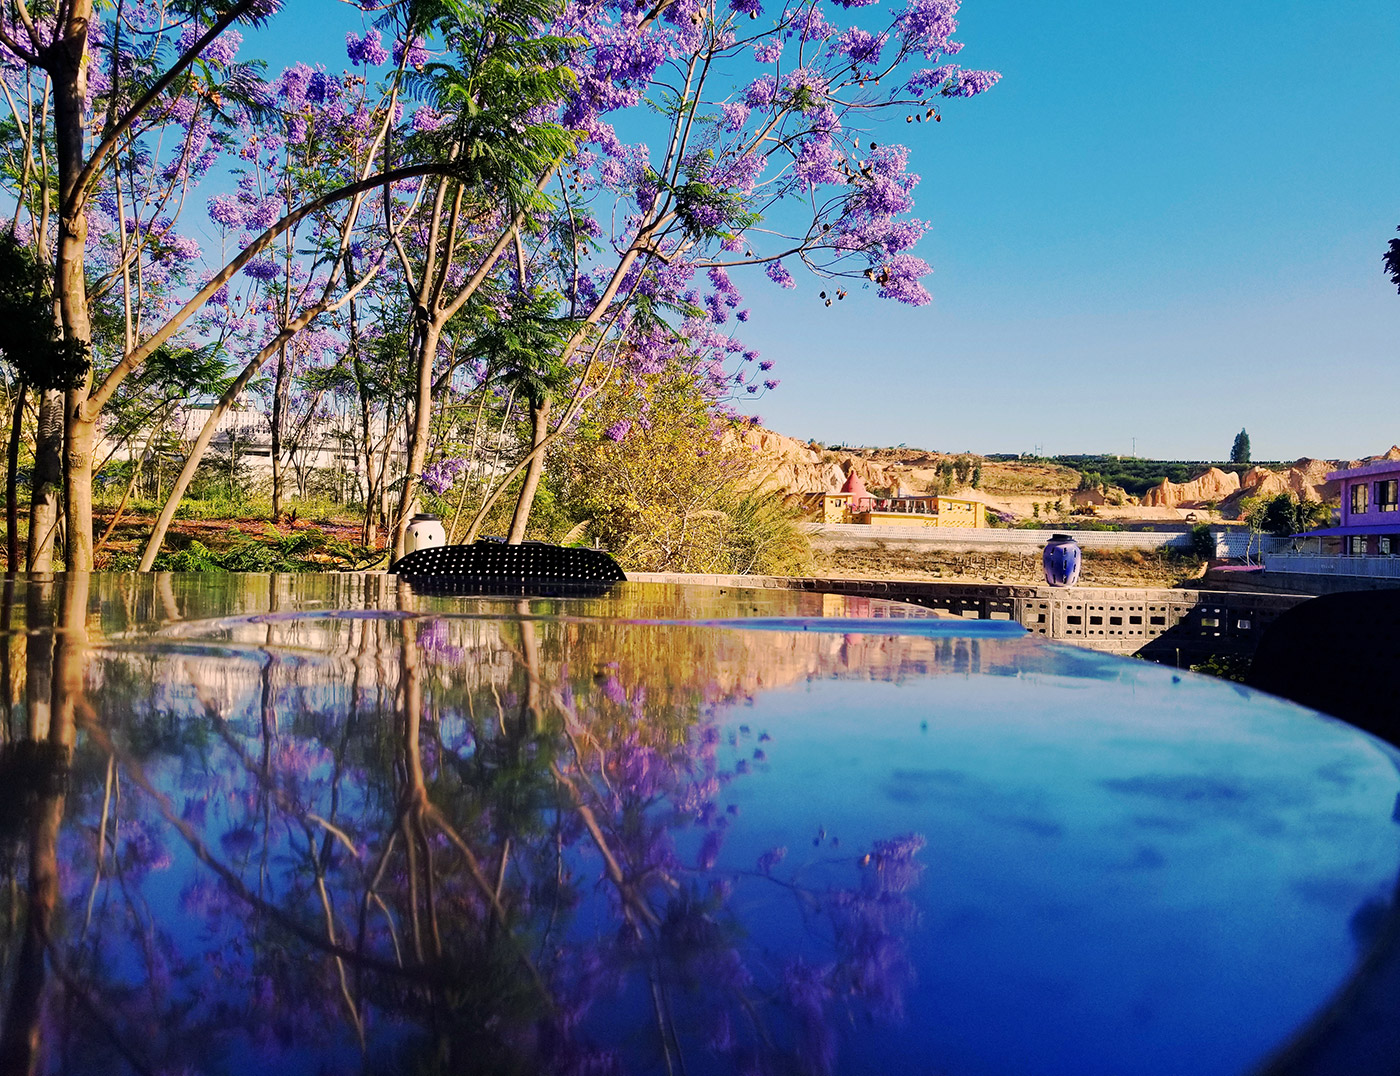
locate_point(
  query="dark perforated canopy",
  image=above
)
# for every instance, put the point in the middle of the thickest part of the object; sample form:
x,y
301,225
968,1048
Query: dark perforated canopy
x,y
496,568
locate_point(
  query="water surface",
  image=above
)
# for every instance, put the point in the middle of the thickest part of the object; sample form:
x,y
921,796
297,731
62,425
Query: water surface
x,y
282,824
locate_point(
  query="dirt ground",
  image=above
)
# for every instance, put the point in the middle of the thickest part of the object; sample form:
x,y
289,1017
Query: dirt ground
x,y
1101,568
129,539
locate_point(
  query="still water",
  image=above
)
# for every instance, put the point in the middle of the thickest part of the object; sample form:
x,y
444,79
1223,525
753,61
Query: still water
x,y
300,824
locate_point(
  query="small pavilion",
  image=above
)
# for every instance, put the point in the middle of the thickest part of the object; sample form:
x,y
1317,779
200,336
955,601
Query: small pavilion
x,y
854,504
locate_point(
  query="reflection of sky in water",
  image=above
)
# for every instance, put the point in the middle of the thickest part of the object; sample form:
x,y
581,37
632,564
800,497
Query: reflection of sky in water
x,y
1160,871
919,852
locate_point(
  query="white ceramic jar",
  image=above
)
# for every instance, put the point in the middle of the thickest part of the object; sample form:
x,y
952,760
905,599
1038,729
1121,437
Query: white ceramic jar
x,y
423,531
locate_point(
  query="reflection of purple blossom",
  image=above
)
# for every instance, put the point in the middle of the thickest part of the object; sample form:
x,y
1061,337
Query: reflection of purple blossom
x,y
613,690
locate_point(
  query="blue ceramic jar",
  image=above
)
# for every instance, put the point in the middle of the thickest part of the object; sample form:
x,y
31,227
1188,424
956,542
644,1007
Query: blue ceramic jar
x,y
1062,559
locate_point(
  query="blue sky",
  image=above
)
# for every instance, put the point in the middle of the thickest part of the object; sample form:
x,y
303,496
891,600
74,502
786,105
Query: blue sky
x,y
1163,225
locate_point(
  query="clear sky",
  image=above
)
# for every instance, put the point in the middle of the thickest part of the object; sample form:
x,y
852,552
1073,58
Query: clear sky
x,y
1164,224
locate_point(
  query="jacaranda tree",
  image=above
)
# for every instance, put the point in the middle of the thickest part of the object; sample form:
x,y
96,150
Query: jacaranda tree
x,y
583,180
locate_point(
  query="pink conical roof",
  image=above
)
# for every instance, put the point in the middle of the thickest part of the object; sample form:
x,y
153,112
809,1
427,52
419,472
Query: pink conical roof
x,y
854,486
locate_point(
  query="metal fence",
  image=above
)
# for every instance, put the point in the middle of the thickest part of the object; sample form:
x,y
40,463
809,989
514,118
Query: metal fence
x,y
1322,564
991,539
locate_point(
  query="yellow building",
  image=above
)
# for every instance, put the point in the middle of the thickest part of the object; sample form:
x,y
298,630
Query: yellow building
x,y
854,505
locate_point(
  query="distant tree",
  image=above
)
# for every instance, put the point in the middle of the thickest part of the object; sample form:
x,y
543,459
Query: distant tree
x,y
1283,515
977,476
1239,452
1391,260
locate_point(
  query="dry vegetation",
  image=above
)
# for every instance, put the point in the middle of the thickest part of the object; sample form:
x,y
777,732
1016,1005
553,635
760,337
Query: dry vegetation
x,y
1130,568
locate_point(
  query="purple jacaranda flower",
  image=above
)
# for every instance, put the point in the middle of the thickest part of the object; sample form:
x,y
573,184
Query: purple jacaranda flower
x,y
264,213
811,24
418,54
931,80
779,275
769,51
226,211
321,88
618,430
926,25
772,383
859,46
735,115
766,364
427,119
262,269
221,50
182,246
368,50
902,273
971,83
761,91
442,475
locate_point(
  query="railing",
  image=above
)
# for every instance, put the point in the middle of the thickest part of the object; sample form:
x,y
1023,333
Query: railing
x,y
1322,564
993,538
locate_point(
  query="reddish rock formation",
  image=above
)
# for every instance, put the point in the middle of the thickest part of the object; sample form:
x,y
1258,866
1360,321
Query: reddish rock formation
x,y
1213,485
789,465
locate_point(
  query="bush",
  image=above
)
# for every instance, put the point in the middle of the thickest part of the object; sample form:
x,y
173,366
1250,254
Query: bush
x,y
309,550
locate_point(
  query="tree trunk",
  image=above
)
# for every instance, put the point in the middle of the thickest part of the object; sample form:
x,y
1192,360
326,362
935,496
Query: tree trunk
x,y
418,434
279,406
45,481
12,482
539,428
77,473
68,69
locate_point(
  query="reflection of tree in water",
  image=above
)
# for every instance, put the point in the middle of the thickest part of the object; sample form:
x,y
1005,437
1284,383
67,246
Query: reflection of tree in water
x,y
467,844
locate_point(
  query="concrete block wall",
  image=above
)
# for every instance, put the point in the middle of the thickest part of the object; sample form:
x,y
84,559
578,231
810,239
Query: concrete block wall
x,y
1171,625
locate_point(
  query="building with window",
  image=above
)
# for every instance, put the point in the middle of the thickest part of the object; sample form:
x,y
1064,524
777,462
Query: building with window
x,y
854,505
1370,522
1364,543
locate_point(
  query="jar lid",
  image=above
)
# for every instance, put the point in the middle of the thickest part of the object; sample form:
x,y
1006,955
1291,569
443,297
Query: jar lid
x,y
1061,538
425,517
